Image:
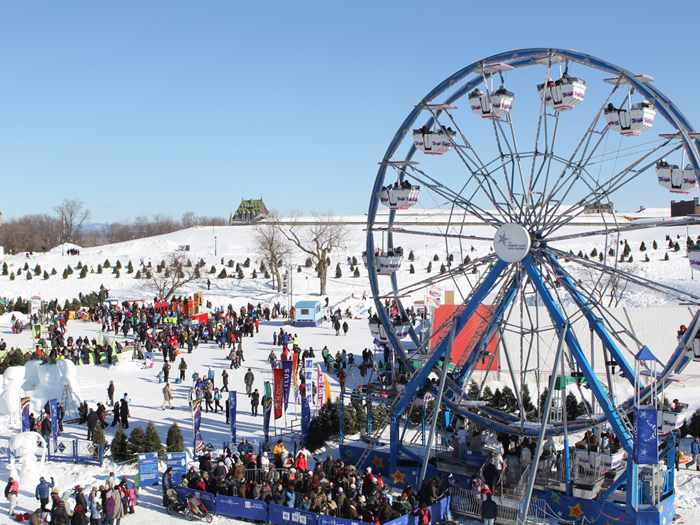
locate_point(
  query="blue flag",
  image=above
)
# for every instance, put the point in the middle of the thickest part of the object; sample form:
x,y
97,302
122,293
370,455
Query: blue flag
x,y
286,380
196,422
24,404
53,409
305,417
232,413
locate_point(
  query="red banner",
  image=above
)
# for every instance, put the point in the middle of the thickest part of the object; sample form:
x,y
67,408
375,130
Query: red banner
x,y
278,391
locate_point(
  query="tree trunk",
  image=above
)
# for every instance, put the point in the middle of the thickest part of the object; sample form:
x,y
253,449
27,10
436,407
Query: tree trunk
x,y
322,274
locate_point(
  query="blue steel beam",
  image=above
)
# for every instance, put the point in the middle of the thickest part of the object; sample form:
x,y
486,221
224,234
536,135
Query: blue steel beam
x,y
559,320
594,321
460,320
493,325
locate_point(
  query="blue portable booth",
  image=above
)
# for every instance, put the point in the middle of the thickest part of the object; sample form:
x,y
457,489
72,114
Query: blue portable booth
x,y
307,313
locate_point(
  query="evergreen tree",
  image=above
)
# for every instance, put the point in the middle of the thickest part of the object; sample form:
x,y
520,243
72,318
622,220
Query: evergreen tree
x,y
196,273
526,399
436,258
630,259
486,394
676,247
230,263
53,271
119,447
222,274
308,263
354,260
137,442
356,273
25,267
580,254
212,270
497,399
70,270
29,276
246,263
642,247
594,252
611,252
79,265
12,276
338,272
299,269
254,275
65,273
37,270
106,264
654,245
572,409
646,258
473,391
430,267
467,260
510,402
411,269
542,401
129,267
666,257
240,274
138,274
442,268
99,268
83,272
46,275
670,244
600,256
116,274
626,250
411,257
5,270
152,441
174,441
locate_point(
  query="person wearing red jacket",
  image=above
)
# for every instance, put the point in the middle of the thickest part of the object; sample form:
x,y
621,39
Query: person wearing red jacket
x,y
11,493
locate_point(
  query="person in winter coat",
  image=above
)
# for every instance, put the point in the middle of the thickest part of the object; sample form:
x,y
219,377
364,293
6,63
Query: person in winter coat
x,y
117,414
95,506
182,367
167,483
92,420
217,400
124,412
167,397
59,516
11,493
346,327
254,402
110,394
80,497
43,492
224,380
489,511
248,380
46,428
118,506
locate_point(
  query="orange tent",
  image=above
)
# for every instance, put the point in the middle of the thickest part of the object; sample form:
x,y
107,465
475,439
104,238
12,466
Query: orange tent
x,y
467,338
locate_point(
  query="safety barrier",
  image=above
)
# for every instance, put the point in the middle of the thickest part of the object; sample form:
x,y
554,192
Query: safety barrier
x,y
465,502
256,510
75,450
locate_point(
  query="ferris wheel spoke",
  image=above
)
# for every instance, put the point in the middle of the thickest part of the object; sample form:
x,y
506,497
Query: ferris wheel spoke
x,y
644,225
629,277
406,231
447,193
457,271
605,189
547,198
489,183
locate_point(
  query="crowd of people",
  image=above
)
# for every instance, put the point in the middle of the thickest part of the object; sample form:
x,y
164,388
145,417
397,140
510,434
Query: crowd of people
x,y
329,487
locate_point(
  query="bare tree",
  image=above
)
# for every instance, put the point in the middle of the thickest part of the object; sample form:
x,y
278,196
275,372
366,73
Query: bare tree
x,y
274,248
173,276
317,241
71,214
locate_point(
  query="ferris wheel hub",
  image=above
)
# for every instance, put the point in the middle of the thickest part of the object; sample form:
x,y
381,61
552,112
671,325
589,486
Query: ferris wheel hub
x,y
512,243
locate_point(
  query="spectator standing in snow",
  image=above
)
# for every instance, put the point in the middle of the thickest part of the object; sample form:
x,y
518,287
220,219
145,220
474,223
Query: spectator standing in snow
x,y
346,327
167,397
11,493
254,402
110,393
248,380
124,412
183,368
43,492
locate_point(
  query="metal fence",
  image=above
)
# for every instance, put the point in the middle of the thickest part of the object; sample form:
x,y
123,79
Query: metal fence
x,y
465,502
75,450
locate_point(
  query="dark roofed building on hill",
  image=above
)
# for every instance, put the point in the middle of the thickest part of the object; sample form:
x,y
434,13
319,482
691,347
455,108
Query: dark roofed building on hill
x,y
249,212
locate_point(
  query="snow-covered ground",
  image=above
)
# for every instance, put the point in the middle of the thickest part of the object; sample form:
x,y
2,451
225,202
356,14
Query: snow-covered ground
x,y
655,319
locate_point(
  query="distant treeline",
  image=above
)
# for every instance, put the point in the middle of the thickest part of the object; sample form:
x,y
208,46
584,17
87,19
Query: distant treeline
x,y
41,232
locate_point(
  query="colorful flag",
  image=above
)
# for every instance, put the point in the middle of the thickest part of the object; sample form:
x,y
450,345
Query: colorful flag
x,y
327,388
295,372
309,377
53,410
232,413
319,386
24,404
196,423
286,380
305,417
278,391
267,410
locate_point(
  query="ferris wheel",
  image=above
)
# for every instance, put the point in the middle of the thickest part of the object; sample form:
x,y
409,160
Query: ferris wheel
x,y
524,154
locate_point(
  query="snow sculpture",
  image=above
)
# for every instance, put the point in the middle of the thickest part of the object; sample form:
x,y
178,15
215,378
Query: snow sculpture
x,y
24,465
12,381
49,381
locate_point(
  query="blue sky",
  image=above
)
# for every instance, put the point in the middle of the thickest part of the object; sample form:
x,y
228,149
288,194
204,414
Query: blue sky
x,y
163,107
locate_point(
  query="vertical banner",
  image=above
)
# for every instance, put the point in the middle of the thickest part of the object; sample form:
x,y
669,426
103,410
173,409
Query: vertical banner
x,y
326,389
319,386
267,410
287,380
646,446
24,404
309,377
196,422
53,410
305,417
295,372
232,413
199,448
278,377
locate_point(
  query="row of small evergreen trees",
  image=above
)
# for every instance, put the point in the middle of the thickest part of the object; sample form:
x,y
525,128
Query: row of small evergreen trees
x,y
139,441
